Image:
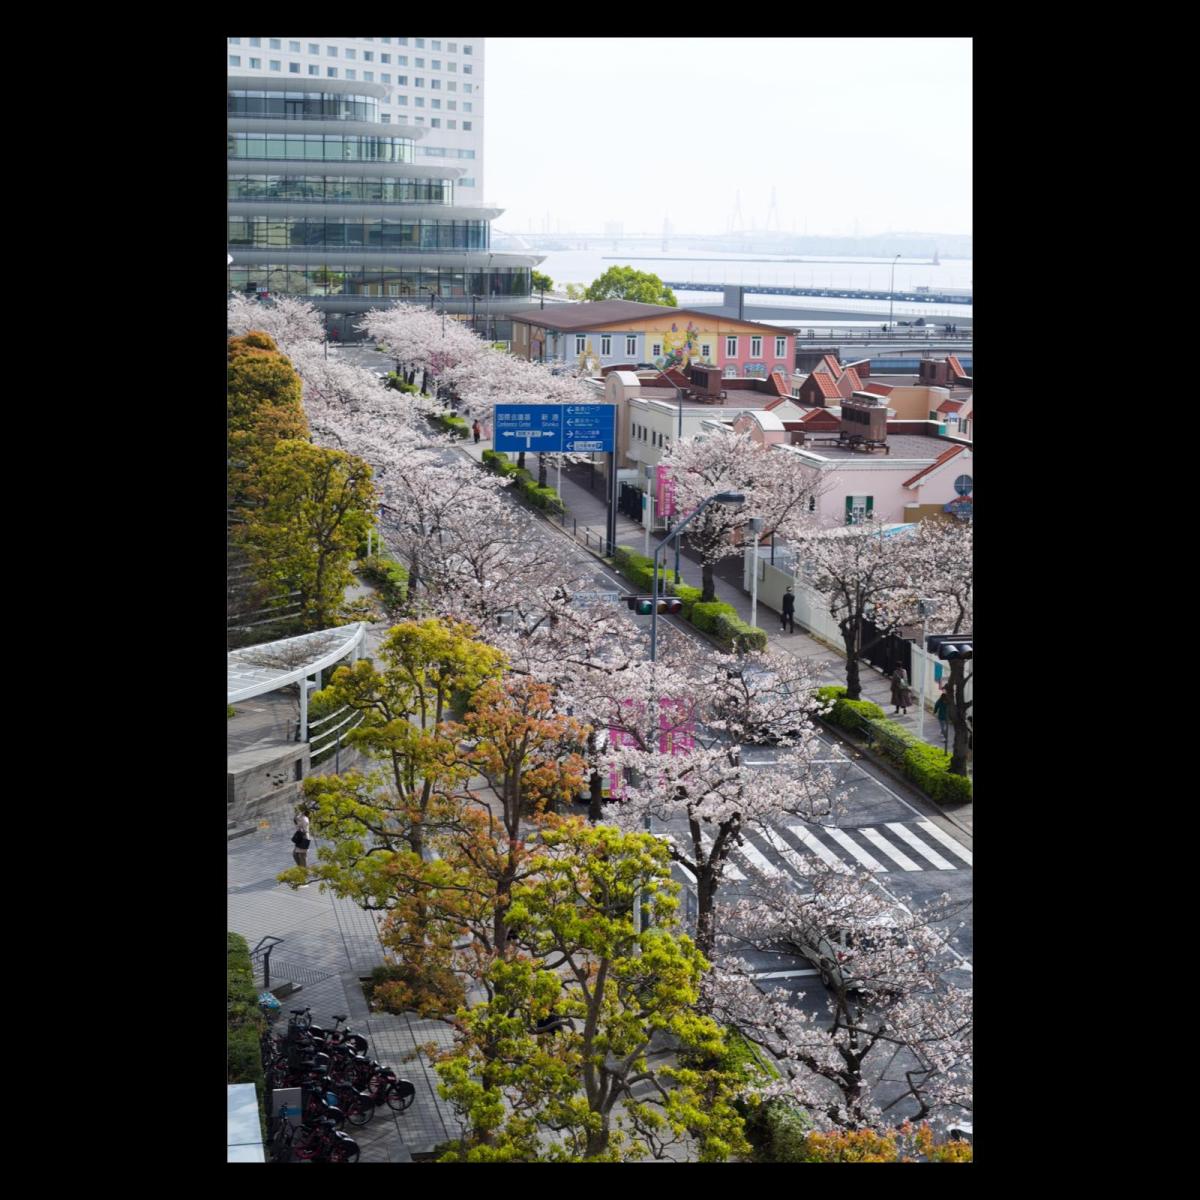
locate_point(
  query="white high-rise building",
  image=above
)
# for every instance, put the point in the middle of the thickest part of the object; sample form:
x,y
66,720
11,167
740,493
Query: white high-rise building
x,y
434,83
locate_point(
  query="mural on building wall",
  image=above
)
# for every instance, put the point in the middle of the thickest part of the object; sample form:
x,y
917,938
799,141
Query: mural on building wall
x,y
679,348
588,360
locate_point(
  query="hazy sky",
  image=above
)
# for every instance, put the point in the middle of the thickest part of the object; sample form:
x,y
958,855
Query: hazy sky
x,y
874,130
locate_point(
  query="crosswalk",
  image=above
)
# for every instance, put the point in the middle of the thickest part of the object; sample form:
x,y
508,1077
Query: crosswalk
x,y
774,853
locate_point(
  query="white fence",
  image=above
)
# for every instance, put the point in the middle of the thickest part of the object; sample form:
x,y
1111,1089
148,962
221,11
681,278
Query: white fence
x,y
812,612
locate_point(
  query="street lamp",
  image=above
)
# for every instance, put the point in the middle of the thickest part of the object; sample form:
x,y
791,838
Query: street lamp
x,y
730,498
892,291
679,438
756,525
925,608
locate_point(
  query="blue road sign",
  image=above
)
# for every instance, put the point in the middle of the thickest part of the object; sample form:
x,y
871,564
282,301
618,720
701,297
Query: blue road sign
x,y
554,428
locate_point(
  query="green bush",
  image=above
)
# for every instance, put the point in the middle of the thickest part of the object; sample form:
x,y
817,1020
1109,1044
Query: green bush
x,y
704,614
689,595
397,382
521,475
545,498
230,711
777,1130
929,768
455,426
245,1022
495,461
737,634
389,576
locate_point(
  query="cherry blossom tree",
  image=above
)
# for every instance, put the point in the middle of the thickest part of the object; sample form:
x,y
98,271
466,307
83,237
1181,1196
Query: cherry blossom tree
x,y
292,323
777,485
896,1041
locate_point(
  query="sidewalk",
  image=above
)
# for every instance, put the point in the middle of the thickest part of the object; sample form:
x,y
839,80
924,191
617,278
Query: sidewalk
x,y
587,507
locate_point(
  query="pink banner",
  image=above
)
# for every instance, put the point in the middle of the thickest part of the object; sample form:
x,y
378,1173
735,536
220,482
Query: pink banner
x,y
664,493
677,737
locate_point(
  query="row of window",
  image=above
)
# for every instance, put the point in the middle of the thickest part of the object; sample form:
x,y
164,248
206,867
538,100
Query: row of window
x,y
338,189
314,72
321,147
731,346
320,279
349,51
302,105
338,232
640,432
444,152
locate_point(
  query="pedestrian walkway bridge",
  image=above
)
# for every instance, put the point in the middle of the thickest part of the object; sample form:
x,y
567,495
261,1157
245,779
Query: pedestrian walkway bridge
x,y
835,293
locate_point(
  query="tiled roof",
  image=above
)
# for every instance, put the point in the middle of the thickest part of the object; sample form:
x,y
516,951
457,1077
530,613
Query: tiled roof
x,y
588,315
880,389
950,406
779,379
830,364
956,366
933,466
827,387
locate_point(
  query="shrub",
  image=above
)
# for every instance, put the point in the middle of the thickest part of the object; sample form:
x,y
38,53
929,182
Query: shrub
x,y
245,1022
230,711
689,595
455,426
545,498
735,632
395,381
389,576
426,988
495,461
778,1131
929,768
704,614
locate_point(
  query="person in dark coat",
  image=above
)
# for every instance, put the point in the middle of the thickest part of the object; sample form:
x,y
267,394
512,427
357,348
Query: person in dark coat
x,y
902,695
789,611
942,713
476,431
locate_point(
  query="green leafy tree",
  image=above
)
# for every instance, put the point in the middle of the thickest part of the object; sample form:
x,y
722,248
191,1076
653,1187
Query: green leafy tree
x,y
316,506
548,1068
625,283
542,283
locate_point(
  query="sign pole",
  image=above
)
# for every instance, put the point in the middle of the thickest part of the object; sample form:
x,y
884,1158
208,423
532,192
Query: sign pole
x,y
612,503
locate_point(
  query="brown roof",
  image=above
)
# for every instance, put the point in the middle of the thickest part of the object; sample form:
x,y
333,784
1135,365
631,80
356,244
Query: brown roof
x,y
937,462
880,389
827,387
830,364
589,314
950,406
956,366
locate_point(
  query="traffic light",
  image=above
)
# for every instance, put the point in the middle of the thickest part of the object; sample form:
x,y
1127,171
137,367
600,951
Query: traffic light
x,y
644,605
950,646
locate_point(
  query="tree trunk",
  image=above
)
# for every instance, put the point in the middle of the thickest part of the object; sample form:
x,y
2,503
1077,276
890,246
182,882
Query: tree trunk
x,y
541,470
706,890
852,637
708,584
521,459
596,798
597,1141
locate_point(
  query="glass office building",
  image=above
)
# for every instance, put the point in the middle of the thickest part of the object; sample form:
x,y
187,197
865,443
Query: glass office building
x,y
327,203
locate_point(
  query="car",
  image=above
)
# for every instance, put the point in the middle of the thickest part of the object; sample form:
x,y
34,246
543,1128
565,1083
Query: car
x,y
832,951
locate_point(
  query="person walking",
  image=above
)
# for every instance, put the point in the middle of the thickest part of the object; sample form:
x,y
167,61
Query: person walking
x,y
943,715
301,842
902,695
788,617
476,430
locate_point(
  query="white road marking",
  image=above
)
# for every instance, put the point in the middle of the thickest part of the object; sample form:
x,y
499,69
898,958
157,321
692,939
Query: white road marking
x,y
783,974
843,839
877,839
790,856
759,859
920,847
730,869
947,841
818,848
668,838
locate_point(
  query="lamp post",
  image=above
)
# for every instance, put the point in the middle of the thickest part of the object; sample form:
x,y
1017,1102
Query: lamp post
x,y
678,439
892,291
925,608
756,524
731,498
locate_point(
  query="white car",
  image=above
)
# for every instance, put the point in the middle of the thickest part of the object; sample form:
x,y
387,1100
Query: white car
x,y
833,951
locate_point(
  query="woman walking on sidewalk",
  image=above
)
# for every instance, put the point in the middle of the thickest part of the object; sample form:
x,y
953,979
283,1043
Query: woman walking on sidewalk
x,y
902,695
789,611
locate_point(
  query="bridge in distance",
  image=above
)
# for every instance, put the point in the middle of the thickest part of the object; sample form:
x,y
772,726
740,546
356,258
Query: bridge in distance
x,y
837,293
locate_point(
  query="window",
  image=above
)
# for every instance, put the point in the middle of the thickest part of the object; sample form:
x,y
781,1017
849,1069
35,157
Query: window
x,y
313,69
858,508
276,65
420,120
313,48
385,58
350,73
402,60
467,106
235,41
294,68
419,43
385,119
466,68
435,83
467,88
451,104
606,345
630,344
451,124
331,52
435,103
656,350
420,101
418,62
580,343
467,50
384,77
368,56
369,76
467,126
256,41
331,72
452,86
402,41
402,100
435,64
464,182
436,122
293,47
351,53
452,47
756,347
275,44
235,60
418,82
255,64
781,347
435,45
450,66
731,347
705,350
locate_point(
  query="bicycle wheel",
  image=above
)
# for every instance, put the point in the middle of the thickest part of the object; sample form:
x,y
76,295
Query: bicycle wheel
x,y
359,1108
344,1151
400,1095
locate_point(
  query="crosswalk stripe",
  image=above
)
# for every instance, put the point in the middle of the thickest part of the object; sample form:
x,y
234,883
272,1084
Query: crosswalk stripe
x,y
863,857
876,839
920,847
818,848
942,836
793,859
758,859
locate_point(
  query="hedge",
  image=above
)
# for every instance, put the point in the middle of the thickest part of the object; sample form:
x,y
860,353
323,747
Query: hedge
x,y
705,614
245,1022
390,576
735,632
778,1131
455,426
926,765
848,714
395,381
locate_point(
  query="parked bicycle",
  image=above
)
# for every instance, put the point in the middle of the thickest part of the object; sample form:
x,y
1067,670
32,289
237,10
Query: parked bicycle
x,y
318,1142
